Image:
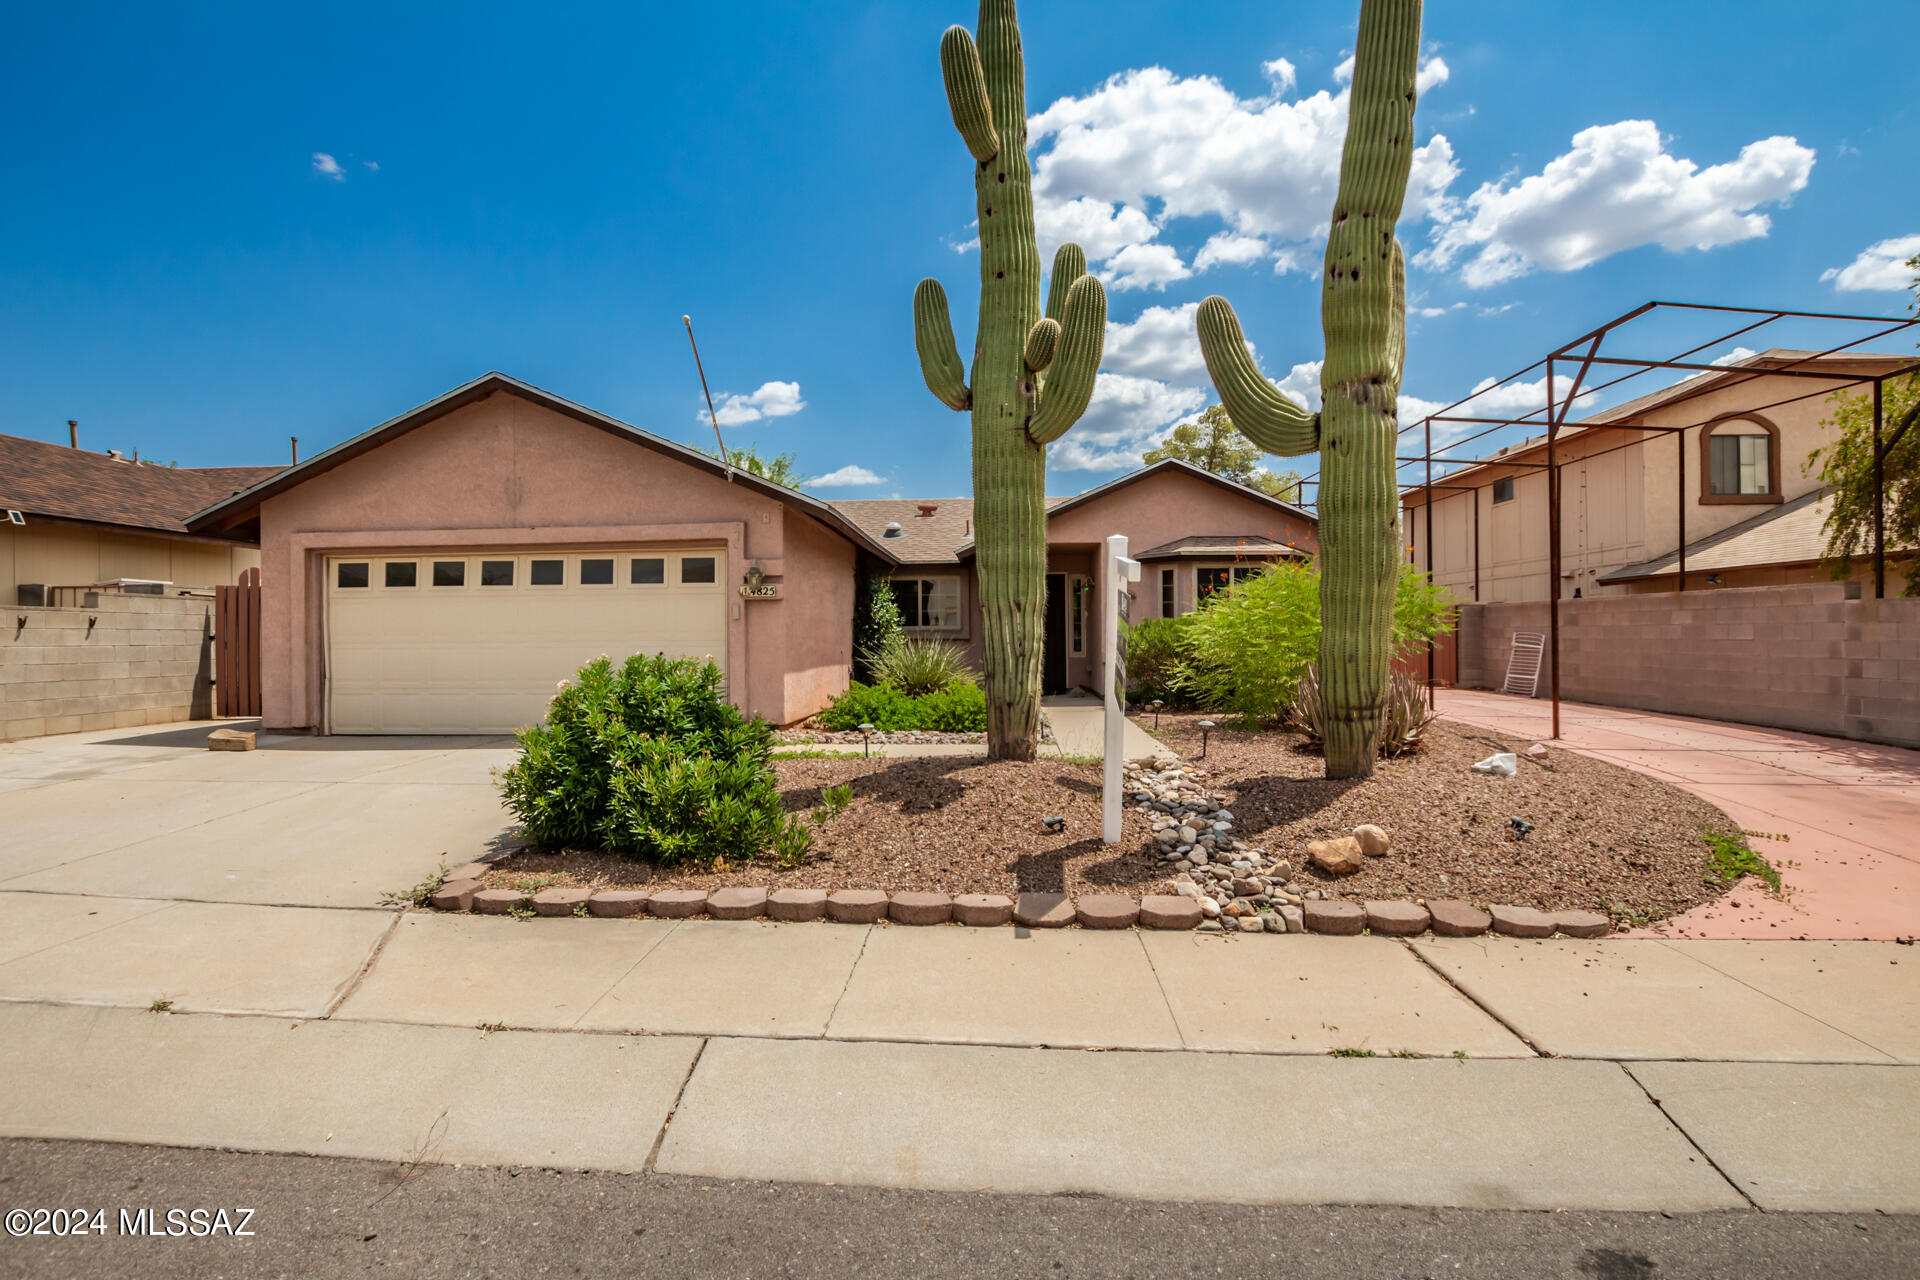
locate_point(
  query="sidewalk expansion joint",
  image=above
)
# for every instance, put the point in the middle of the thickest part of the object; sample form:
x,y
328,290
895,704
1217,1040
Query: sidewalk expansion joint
x,y
1476,1001
1682,1131
353,984
660,1139
1768,995
1173,1015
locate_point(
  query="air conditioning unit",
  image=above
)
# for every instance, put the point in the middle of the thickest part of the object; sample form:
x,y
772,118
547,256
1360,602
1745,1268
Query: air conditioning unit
x,y
32,595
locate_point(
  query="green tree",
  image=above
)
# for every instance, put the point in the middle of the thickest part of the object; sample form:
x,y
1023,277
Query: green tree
x,y
1212,443
1846,468
781,468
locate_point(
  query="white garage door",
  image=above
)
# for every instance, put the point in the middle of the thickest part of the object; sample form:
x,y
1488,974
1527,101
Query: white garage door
x,y
477,644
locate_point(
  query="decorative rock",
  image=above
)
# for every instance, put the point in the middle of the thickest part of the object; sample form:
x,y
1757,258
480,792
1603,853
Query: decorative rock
x,y
796,905
1373,841
677,904
1272,922
1251,924
1043,910
1397,919
983,910
614,904
471,871
736,904
1340,856
1209,908
226,739
1344,918
454,895
1455,919
1295,918
1245,888
559,902
1107,911
1521,922
1164,911
921,908
857,906
1582,924
1211,926
498,902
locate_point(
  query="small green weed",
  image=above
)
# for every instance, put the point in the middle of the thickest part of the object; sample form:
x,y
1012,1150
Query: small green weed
x,y
523,912
1460,1054
418,895
832,801
1354,1053
580,909
814,753
488,1028
1064,758
1731,856
160,1006
1405,1053
533,884
794,842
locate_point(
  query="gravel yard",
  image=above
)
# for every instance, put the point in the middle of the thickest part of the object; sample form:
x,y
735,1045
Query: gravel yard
x,y
1603,838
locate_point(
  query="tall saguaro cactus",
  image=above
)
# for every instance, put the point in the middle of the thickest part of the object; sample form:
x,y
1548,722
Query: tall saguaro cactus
x,y
1363,312
1032,374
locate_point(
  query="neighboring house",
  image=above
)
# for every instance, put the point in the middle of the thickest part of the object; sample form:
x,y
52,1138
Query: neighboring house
x,y
73,518
1736,474
442,572
1192,531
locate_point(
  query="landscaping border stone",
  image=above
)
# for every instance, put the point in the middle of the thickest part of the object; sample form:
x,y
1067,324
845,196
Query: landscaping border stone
x,y
1106,911
1453,918
677,904
983,910
1521,922
553,903
921,908
737,903
796,906
857,906
1043,910
612,904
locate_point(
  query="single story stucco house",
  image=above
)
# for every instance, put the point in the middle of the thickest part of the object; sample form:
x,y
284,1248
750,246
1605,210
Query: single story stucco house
x,y
442,572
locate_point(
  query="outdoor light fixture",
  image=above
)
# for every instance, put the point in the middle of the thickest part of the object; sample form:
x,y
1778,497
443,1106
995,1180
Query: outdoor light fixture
x,y
755,576
1055,825
1206,727
1157,703
866,738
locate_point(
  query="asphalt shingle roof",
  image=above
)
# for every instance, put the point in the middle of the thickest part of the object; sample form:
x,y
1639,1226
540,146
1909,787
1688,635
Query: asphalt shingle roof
x,y
78,484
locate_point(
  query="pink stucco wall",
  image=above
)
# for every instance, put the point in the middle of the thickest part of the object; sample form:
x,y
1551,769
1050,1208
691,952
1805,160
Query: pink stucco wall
x,y
505,472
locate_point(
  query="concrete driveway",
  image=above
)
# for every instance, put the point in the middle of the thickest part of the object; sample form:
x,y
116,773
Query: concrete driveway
x,y
313,822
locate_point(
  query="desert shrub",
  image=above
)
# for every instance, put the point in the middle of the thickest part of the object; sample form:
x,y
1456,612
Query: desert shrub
x,y
1402,720
1247,650
876,623
958,708
920,667
646,759
1153,660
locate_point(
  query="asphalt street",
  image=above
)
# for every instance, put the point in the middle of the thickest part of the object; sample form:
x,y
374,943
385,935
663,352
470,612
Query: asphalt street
x,y
317,1216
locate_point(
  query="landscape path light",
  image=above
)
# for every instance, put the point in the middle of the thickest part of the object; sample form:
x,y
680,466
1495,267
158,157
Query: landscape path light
x,y
866,739
1206,727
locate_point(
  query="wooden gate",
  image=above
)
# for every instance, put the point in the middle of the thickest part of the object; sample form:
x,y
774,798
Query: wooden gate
x,y
236,647
1446,662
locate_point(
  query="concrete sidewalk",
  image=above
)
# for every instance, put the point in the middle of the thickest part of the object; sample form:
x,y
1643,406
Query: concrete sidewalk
x,y
1840,815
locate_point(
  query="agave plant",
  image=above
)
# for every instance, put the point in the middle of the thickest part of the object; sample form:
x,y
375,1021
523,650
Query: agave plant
x,y
1403,718
920,667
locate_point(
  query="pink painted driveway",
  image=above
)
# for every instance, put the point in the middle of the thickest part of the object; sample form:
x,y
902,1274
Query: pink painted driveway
x,y
1849,811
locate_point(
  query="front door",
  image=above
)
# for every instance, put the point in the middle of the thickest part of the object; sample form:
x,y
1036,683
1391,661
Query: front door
x,y
1053,669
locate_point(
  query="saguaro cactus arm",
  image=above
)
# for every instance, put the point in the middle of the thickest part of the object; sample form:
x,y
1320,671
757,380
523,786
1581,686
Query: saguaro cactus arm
x,y
1069,264
933,337
967,94
1042,340
1256,406
1397,321
1069,388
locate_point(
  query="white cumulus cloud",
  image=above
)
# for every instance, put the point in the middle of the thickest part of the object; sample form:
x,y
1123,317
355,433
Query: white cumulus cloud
x,y
1878,266
1617,189
1231,248
1158,343
847,476
327,167
1145,266
1127,416
772,400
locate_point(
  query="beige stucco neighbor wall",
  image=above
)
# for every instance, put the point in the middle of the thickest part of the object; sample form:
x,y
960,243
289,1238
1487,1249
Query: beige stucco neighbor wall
x,y
1801,657
58,554
506,473
147,660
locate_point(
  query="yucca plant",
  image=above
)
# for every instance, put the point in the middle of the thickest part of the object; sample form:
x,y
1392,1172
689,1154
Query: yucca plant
x,y
920,667
1403,718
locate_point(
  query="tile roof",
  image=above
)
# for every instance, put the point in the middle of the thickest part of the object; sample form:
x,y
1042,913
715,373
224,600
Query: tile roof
x,y
1221,544
1791,533
78,484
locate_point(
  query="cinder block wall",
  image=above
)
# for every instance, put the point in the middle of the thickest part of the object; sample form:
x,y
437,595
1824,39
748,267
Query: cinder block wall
x,y
145,660
1800,657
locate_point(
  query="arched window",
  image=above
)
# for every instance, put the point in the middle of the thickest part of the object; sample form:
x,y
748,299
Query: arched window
x,y
1740,460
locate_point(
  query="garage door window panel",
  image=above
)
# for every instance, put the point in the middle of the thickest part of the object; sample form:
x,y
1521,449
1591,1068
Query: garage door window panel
x,y
496,573
546,573
352,576
696,569
647,571
596,572
449,573
401,575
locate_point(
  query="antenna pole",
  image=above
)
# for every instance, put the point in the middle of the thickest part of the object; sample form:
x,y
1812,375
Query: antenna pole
x,y
725,461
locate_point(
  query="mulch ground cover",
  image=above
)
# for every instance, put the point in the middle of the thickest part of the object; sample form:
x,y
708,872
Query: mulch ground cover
x,y
1603,838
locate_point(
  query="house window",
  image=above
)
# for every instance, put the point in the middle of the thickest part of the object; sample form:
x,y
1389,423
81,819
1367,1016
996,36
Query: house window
x,y
496,573
547,573
696,568
647,571
449,573
928,604
1503,490
352,575
1077,613
402,573
1166,593
1737,463
596,573
1210,579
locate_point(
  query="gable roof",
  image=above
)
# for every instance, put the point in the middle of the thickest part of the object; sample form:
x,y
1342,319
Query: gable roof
x,y
1792,533
234,508
59,481
1210,546
934,539
1199,473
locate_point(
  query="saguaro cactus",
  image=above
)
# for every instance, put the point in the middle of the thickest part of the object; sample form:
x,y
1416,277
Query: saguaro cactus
x,y
1363,312
1032,374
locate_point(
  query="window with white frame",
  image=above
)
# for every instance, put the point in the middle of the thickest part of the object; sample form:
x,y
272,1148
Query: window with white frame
x,y
1077,613
1737,463
928,604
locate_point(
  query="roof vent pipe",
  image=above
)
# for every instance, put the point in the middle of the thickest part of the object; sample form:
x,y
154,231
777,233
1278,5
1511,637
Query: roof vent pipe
x,y
73,433
927,508
893,530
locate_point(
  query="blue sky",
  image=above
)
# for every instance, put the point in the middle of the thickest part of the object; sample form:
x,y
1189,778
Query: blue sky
x,y
545,190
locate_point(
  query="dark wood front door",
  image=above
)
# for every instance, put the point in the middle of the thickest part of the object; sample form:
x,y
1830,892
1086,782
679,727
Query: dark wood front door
x,y
1053,667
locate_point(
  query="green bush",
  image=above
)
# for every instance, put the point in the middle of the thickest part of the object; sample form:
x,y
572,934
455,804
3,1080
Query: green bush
x,y
876,623
1247,650
958,708
646,759
920,667
1153,659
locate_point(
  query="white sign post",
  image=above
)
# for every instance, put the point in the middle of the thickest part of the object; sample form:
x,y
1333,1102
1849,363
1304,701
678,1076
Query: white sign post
x,y
1120,572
